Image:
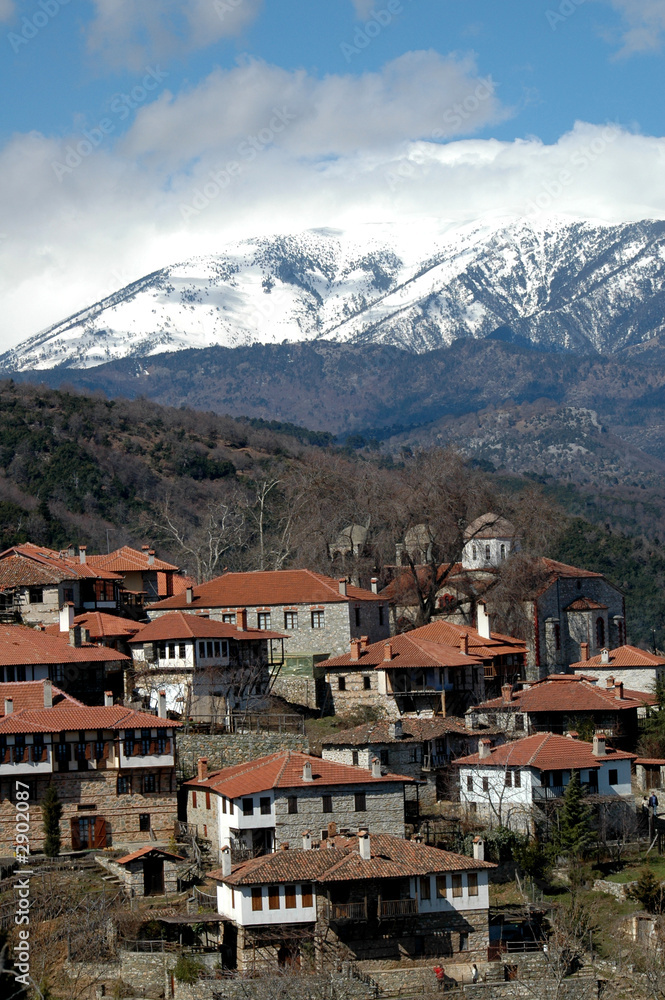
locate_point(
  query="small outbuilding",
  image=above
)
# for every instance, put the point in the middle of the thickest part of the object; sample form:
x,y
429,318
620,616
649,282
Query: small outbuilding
x,y
150,871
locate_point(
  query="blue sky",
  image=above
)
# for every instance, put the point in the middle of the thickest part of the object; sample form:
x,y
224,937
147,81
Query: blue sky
x,y
482,103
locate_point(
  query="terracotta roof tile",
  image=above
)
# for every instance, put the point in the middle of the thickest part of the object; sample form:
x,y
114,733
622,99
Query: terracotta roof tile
x,y
70,718
652,761
22,645
545,751
408,651
178,625
568,693
143,851
413,731
622,656
30,695
31,565
129,560
586,604
101,626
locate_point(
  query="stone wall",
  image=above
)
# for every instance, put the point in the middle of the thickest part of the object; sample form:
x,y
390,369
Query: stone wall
x,y
299,690
616,889
633,678
240,989
384,811
354,694
227,749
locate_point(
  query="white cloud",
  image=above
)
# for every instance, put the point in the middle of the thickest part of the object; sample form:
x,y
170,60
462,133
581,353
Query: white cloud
x,y
645,25
347,157
133,32
7,10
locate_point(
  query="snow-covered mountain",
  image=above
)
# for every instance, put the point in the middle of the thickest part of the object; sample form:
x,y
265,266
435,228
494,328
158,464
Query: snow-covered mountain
x,y
560,284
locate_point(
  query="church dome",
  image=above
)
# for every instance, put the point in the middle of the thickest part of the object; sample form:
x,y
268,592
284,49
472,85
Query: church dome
x,y
489,526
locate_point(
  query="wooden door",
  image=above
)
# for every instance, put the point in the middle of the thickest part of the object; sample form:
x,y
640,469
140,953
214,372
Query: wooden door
x,y
153,876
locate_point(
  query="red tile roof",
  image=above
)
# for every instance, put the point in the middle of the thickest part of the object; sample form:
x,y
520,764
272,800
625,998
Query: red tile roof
x,y
545,751
143,851
30,695
181,626
622,656
71,718
408,651
101,626
286,586
559,569
285,770
498,644
340,861
128,560
22,645
33,565
568,693
652,761
585,604
413,731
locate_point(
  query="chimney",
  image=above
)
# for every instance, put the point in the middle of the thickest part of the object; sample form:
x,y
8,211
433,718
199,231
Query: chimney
x,y
364,640
241,619
82,552
376,767
189,595
108,699
468,719
145,548
85,634
395,729
342,585
374,584
355,649
483,620
9,706
66,616
48,694
464,643
506,693
284,847
618,690
307,771
484,749
226,861
599,745
387,652
202,768
151,557
478,849
609,683
332,829
584,651
75,636
306,841
161,704
364,845
573,734
605,656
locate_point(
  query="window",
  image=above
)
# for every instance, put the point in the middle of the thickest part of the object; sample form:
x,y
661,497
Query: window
x,y
193,800
292,804
557,636
356,612
290,897
223,803
20,673
441,886
209,650
182,651
327,804
469,784
354,758
384,757
248,807
613,776
229,618
503,551
233,899
273,897
367,683
488,553
382,613
474,552
172,651
360,802
318,619
57,674
307,895
486,784
149,783
257,898
207,800
36,595
519,722
341,684
264,805
202,650
263,619
464,941
144,822
600,632
457,885
425,888
472,883
124,785
508,779
218,649
291,620
517,779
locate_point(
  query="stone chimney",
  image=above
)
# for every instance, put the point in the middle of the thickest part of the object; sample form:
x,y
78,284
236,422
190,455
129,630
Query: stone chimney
x,y
387,652
468,719
151,557
464,643
506,693
307,771
342,585
75,636
355,649
161,704
48,694
108,699
478,849
202,768
584,651
306,841
374,584
364,845
484,749
605,656
364,640
189,595
599,749
9,706
376,767
85,634
483,620
66,616
396,730
241,619
82,553
618,690
226,861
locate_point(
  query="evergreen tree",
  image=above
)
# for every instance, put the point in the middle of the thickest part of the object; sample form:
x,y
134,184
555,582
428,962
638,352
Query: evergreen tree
x,y
51,813
649,891
574,836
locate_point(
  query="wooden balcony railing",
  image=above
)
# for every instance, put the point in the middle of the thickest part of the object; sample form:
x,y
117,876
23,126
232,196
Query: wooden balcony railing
x,y
347,911
398,907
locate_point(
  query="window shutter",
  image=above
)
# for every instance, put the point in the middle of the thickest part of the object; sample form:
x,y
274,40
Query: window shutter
x,y
136,752
6,754
167,747
76,835
106,750
153,747
88,751
100,832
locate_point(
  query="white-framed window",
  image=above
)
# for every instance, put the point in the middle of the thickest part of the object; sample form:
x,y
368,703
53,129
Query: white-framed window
x,y
263,620
291,620
229,618
318,619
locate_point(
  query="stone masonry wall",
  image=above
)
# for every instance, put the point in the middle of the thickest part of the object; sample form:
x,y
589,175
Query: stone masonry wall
x,y
355,695
633,678
384,812
299,690
227,749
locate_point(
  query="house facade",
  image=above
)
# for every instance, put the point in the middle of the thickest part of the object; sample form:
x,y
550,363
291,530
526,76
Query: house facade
x,y
372,897
113,768
258,807
142,573
636,668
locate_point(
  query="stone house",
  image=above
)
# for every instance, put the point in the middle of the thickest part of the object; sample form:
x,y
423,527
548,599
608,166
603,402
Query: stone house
x,y
650,773
372,897
142,573
562,703
102,629
507,785
150,871
113,768
256,808
636,668
207,668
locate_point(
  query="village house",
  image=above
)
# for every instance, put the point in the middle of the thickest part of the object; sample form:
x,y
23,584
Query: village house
x,y
150,871
35,583
257,807
636,668
103,629
368,898
562,703
207,668
418,747
143,574
78,666
507,785
113,768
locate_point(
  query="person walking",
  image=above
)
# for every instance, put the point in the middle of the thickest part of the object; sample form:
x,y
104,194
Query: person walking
x,y
474,973
653,804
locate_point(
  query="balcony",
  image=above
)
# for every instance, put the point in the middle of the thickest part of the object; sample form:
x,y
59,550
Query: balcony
x,y
542,793
434,760
397,908
347,911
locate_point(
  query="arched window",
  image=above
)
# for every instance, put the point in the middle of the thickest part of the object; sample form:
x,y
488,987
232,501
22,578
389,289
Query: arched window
x,y
557,636
503,551
600,633
488,553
